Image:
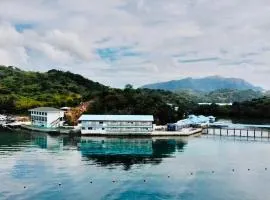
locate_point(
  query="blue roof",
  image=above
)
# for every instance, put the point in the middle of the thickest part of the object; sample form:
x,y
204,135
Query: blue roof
x,y
116,118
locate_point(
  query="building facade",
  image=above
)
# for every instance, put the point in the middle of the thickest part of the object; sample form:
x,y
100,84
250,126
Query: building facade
x,y
116,124
47,117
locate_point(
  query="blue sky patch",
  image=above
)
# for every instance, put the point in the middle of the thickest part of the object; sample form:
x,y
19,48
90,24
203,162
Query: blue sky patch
x,y
199,60
113,54
21,27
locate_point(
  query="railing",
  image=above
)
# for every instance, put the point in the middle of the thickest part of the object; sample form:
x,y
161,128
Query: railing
x,y
238,132
54,123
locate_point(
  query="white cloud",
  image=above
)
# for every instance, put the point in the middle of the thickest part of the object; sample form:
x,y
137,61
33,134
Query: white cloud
x,y
144,41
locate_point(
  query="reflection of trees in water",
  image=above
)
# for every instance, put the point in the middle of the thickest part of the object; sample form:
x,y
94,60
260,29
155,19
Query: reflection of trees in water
x,y
11,138
126,160
106,152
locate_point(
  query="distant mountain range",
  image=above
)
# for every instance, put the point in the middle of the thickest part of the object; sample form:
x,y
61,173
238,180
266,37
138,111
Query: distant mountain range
x,y
207,84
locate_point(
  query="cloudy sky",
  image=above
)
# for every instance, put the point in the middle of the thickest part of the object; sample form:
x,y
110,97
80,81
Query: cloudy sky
x,y
117,42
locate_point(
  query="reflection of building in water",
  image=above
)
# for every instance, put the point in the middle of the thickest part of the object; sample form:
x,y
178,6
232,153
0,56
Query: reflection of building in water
x,y
48,142
116,146
126,152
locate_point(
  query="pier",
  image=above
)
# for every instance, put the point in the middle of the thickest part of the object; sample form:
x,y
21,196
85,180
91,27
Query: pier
x,y
249,131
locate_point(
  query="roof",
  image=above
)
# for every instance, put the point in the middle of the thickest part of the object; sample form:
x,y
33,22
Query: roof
x,y
45,109
116,118
65,108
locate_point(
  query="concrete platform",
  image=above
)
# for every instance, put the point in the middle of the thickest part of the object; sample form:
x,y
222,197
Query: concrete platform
x,y
185,132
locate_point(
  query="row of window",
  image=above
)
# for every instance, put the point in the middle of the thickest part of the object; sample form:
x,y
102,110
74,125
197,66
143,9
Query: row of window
x,y
117,129
38,118
38,113
93,123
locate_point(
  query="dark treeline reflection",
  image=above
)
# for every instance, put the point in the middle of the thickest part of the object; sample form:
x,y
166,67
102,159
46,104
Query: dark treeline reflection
x,y
102,151
128,151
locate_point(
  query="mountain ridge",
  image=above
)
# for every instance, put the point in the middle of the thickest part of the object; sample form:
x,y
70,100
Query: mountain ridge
x,y
205,84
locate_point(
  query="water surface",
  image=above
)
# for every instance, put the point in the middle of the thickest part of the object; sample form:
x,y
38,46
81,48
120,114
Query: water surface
x,y
40,166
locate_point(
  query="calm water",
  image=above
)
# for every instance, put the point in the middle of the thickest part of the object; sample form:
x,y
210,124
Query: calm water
x,y
39,166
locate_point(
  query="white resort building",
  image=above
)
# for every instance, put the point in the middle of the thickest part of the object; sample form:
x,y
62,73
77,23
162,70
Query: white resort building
x,y
46,117
116,124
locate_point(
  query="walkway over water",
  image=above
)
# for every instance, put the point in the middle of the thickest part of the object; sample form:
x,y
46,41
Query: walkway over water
x,y
245,126
254,131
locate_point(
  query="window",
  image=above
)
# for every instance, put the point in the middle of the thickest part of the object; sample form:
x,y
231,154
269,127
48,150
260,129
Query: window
x,y
83,128
100,122
90,128
103,128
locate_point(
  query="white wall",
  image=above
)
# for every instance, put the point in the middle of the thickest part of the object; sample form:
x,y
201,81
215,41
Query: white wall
x,y
52,116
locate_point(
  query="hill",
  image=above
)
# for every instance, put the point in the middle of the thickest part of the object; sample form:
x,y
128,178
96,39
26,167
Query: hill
x,y
207,84
256,108
20,90
222,95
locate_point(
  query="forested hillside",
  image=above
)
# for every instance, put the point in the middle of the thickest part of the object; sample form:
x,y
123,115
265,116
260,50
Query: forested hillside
x,y
165,106
223,95
20,90
256,108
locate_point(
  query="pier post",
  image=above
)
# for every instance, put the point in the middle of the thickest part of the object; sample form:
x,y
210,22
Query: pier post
x,y
214,131
268,134
220,131
240,132
227,132
254,133
261,133
207,130
234,132
247,133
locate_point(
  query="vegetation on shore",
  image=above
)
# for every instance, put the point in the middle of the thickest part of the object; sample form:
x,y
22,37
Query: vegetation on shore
x,y
256,108
21,90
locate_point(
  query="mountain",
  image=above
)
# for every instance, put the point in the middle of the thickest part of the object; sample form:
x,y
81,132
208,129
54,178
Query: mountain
x,y
207,84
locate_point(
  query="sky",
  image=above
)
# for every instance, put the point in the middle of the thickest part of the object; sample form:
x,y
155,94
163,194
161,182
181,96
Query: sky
x,y
117,42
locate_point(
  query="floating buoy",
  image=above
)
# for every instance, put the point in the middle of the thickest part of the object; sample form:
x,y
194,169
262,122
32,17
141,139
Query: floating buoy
x,y
113,181
144,180
213,172
265,169
168,176
91,182
24,187
233,170
191,173
59,184
248,169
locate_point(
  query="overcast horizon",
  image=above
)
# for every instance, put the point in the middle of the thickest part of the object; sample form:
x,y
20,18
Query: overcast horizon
x,y
116,42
